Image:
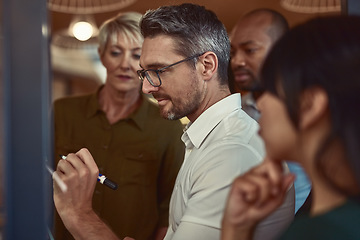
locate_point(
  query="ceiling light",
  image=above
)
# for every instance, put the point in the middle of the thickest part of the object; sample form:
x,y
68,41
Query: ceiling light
x,y
83,27
88,6
312,6
82,31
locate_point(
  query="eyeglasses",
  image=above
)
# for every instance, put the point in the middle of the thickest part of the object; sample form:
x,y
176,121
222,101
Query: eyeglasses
x,y
153,75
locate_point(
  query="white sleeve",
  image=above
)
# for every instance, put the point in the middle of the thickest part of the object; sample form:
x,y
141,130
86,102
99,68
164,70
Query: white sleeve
x,y
193,231
211,180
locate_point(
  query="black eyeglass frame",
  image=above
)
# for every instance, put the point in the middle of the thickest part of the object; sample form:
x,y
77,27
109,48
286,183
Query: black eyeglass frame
x,y
144,73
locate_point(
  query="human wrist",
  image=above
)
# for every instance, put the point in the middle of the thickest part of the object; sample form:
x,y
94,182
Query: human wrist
x,y
232,231
76,223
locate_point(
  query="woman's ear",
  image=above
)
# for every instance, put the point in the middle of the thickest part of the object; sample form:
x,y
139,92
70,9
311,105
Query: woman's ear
x,y
313,106
100,56
209,65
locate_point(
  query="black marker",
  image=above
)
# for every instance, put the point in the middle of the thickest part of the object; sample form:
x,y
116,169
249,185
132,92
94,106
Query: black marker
x,y
102,179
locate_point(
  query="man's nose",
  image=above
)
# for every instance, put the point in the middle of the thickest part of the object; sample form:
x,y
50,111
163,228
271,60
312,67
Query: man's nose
x,y
237,60
147,88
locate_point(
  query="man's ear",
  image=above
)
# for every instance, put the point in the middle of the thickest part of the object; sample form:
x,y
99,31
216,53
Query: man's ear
x,y
313,106
209,65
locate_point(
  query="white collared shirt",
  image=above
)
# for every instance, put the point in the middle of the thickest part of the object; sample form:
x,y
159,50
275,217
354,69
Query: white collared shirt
x,y
220,145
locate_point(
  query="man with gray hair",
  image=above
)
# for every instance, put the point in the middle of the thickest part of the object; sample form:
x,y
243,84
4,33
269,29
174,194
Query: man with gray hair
x,y
184,61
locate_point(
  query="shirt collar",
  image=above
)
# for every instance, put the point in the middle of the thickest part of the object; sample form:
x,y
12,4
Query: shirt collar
x,y
208,120
248,100
139,116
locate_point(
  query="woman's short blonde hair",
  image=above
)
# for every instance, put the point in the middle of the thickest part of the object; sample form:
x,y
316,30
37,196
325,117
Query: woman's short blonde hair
x,y
126,23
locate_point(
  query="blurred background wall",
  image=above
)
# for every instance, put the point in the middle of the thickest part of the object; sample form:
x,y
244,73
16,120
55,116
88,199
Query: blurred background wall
x,y
76,65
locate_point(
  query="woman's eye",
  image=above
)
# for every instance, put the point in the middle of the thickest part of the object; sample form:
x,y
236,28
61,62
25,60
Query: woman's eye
x,y
115,53
136,56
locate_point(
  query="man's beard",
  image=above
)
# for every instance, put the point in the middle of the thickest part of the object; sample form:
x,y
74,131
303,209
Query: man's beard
x,y
185,104
250,84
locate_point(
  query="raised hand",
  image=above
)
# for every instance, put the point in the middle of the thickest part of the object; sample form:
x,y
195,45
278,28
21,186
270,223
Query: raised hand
x,y
253,197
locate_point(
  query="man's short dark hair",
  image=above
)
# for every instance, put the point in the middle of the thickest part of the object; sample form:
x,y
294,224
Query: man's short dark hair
x,y
194,29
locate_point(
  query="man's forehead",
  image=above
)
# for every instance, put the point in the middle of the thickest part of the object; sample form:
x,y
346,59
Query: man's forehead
x,y
253,23
249,33
156,49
